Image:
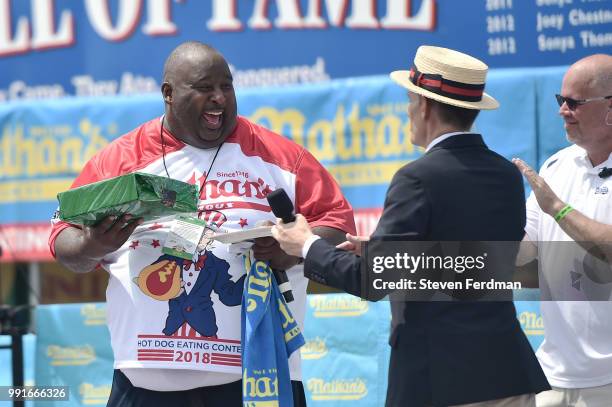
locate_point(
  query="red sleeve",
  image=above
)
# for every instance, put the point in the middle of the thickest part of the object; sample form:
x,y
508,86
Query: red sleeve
x,y
90,174
319,198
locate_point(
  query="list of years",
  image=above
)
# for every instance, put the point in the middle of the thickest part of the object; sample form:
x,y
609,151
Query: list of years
x,y
501,26
560,25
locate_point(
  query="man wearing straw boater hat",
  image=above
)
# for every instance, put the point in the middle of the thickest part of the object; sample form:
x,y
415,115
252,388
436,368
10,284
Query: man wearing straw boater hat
x,y
443,353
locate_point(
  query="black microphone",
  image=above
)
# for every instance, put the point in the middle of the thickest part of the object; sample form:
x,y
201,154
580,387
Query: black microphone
x,y
282,207
605,172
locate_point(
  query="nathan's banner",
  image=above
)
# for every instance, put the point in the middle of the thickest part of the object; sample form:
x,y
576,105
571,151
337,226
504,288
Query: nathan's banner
x,y
73,349
344,361
358,129
118,47
346,356
529,316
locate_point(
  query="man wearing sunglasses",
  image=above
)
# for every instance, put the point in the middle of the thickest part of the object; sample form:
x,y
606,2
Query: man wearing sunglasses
x,y
572,201
572,104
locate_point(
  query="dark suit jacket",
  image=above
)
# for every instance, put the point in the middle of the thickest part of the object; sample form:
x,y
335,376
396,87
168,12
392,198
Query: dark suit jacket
x,y
446,353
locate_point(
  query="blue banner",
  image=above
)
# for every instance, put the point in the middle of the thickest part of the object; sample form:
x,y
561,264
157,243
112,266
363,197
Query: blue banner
x,y
55,48
73,349
358,128
344,360
346,356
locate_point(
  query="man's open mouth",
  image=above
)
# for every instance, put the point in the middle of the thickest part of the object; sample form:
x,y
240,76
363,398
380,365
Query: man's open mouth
x,y
213,119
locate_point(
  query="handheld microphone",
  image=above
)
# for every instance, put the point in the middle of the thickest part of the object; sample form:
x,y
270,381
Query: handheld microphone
x,y
282,207
604,173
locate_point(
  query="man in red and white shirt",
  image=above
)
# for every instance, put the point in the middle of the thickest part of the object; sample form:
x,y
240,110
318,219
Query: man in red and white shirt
x,y
234,163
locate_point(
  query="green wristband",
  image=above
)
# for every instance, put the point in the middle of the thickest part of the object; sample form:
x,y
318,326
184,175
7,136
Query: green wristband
x,y
563,212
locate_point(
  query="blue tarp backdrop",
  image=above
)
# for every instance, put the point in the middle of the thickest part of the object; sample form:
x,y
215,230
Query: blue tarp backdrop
x,y
344,361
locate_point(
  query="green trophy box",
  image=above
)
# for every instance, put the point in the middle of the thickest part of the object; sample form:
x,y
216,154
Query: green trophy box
x,y
141,195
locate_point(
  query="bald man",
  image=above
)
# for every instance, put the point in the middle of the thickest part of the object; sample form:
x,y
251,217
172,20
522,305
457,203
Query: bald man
x,y
182,347
571,201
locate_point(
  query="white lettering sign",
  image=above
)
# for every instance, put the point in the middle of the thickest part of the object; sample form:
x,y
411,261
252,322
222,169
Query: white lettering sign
x,y
42,30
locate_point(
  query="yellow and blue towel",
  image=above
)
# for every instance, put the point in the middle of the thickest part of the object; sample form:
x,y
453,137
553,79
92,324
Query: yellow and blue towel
x,y
270,335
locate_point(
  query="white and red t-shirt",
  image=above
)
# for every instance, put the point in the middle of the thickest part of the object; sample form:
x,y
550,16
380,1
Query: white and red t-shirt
x,y
251,162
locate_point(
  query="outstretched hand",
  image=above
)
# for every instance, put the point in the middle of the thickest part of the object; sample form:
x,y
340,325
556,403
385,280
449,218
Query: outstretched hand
x,y
547,199
353,243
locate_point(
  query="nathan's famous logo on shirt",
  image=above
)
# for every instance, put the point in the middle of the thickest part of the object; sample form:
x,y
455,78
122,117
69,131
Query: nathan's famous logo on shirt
x,y
343,389
93,314
71,355
325,306
91,395
531,323
215,188
315,348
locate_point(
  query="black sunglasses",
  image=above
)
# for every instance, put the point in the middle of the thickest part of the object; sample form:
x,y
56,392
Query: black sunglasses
x,y
572,104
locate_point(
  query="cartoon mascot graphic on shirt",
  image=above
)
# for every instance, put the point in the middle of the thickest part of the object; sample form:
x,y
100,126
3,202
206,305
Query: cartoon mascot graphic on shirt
x,y
163,281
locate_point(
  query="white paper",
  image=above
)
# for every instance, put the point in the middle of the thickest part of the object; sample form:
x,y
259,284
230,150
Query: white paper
x,y
242,235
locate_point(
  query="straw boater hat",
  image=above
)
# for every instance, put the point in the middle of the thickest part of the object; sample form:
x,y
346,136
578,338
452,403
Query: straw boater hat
x,y
449,77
